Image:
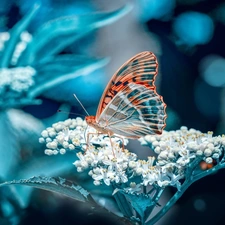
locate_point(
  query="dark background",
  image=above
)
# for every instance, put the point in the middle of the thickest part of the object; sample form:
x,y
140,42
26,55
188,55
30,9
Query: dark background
x,y
191,53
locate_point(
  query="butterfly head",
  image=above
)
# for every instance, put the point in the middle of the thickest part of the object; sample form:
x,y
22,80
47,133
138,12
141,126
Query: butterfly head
x,y
90,120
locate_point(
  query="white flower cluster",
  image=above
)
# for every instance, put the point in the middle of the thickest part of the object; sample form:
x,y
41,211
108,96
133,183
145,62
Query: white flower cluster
x,y
109,163
175,149
63,136
25,38
181,146
17,80
71,134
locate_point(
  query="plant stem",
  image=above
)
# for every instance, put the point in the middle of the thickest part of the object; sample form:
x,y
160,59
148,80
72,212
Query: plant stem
x,y
169,204
184,187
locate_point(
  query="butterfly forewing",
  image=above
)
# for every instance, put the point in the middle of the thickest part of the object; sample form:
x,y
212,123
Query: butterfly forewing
x,y
141,69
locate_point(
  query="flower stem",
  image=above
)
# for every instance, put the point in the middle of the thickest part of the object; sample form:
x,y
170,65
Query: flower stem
x,y
169,204
184,187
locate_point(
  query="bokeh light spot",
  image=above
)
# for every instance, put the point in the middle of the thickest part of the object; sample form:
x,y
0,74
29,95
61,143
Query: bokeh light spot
x,y
212,70
193,28
200,205
155,9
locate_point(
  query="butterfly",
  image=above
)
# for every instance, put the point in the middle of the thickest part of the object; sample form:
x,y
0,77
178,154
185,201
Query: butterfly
x,y
130,105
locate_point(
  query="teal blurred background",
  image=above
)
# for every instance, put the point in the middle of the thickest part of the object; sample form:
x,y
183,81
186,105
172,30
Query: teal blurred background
x,y
187,36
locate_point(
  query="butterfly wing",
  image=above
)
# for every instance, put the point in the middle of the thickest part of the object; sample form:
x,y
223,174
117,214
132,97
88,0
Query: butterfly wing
x,y
141,69
134,112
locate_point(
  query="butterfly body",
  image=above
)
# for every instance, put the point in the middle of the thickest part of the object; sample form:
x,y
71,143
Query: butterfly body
x,y
130,106
91,121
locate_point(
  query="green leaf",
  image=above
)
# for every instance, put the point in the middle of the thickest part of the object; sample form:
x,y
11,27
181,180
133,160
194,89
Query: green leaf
x,y
62,68
70,28
15,35
58,185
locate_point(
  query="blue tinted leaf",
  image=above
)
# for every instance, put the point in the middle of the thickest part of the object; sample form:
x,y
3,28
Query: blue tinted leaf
x,y
58,185
9,146
140,203
62,68
27,129
123,204
15,35
47,166
71,28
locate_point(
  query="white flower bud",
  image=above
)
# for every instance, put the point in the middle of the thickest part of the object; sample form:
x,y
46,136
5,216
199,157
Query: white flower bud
x,y
58,127
52,145
96,171
163,145
157,150
215,156
55,152
41,140
48,140
183,128
97,182
52,134
44,133
191,145
62,151
79,121
210,146
77,163
50,129
132,164
150,138
192,130
90,173
67,122
139,171
71,126
71,147
65,144
48,152
80,169
217,150
199,152
155,143
171,155
84,164
208,152
208,160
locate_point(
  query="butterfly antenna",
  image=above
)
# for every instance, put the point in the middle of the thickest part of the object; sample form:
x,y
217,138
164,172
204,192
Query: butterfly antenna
x,y
81,104
69,113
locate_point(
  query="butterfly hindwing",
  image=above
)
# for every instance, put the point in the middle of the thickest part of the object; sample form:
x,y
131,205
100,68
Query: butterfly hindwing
x,y
141,69
134,112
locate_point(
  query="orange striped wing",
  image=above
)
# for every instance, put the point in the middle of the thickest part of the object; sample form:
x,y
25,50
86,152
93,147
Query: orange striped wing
x,y
130,105
140,69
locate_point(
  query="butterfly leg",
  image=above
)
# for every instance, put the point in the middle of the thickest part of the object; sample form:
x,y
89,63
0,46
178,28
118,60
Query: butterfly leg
x,y
88,140
110,139
121,140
